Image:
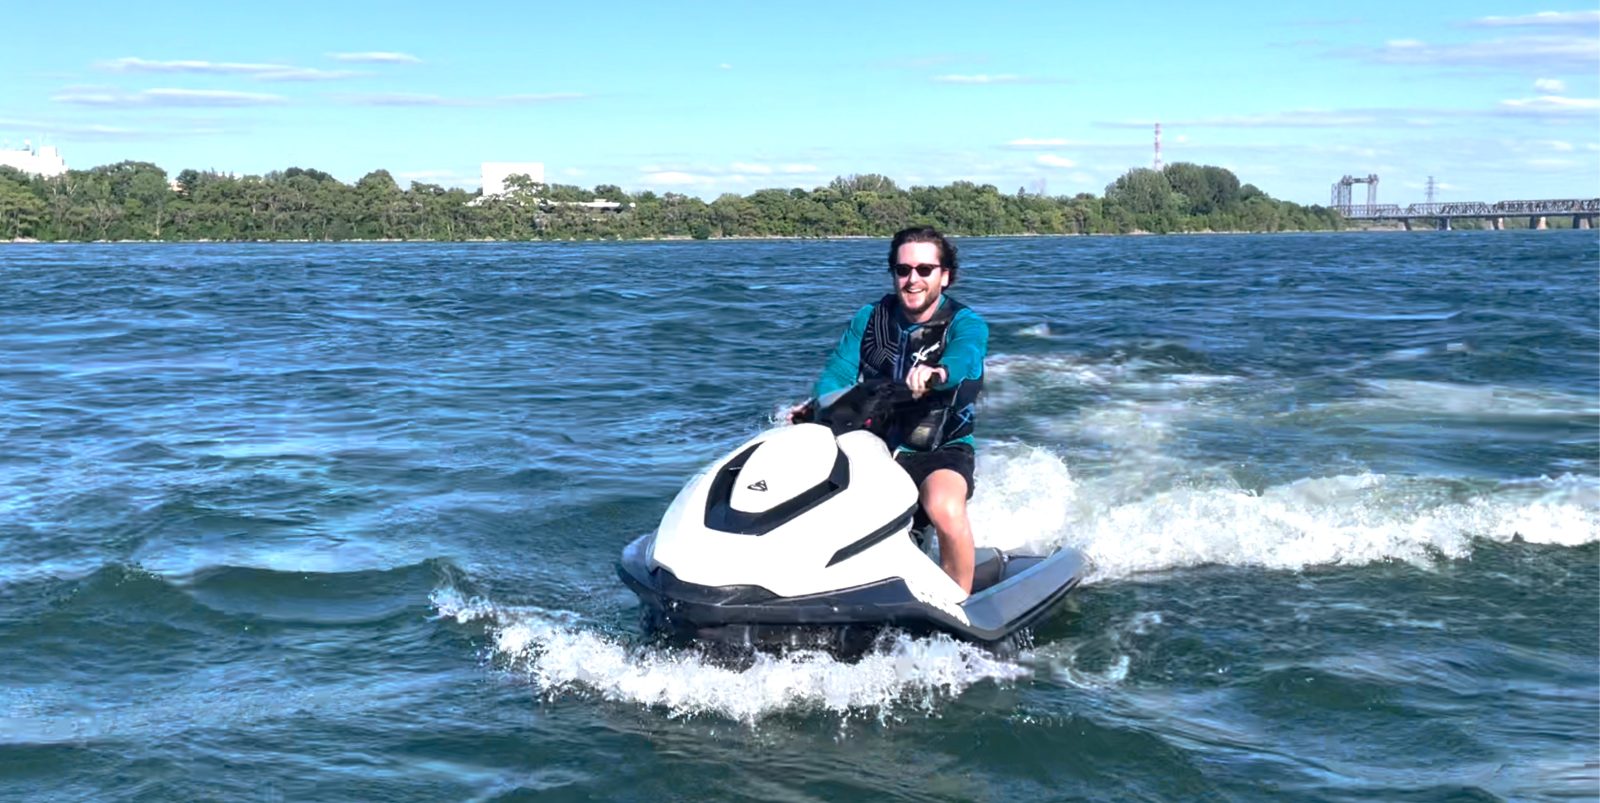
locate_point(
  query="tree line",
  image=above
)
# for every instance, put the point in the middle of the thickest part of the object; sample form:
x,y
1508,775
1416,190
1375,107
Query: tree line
x,y
136,201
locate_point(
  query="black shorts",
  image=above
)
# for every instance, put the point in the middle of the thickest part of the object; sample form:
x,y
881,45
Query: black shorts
x,y
957,457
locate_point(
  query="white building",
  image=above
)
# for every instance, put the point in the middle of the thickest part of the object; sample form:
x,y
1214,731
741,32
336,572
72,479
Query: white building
x,y
496,173
45,160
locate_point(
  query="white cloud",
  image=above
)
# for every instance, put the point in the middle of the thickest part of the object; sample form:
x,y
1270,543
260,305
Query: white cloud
x,y
1534,52
208,97
1029,142
376,57
676,178
538,97
724,66
1052,160
1296,118
420,99
167,97
980,78
1550,105
308,74
264,72
135,64
1581,20
79,132
1550,86
1360,151
735,172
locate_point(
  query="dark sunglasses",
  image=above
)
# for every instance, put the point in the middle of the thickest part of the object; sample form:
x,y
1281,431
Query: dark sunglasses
x,y
903,270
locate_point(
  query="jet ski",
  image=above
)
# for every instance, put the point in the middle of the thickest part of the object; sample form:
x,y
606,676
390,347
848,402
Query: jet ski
x,y
807,530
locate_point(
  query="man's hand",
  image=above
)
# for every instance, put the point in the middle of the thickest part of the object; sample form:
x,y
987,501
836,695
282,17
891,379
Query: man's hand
x,y
922,378
803,412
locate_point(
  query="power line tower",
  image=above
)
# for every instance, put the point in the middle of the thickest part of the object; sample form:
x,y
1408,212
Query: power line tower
x,y
1157,164
1431,188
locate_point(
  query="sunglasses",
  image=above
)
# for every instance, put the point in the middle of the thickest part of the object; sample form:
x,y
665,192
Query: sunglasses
x,y
903,270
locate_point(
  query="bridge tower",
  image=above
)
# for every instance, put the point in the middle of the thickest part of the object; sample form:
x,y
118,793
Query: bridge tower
x,y
1341,193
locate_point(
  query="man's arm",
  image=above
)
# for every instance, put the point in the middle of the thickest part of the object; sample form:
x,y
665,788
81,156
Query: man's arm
x,y
844,364
965,349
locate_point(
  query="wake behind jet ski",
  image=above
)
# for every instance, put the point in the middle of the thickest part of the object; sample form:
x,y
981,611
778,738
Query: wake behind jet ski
x,y
809,527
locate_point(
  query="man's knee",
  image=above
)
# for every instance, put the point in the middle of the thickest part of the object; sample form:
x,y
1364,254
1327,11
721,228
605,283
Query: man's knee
x,y
944,497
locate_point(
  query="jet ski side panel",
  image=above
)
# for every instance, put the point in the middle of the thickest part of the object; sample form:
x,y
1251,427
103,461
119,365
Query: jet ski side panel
x,y
700,610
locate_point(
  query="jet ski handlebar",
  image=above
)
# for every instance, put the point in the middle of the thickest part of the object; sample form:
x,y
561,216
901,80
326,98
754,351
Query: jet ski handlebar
x,y
870,405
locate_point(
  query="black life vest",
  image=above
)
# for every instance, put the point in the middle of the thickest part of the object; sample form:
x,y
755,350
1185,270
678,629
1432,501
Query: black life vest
x,y
891,347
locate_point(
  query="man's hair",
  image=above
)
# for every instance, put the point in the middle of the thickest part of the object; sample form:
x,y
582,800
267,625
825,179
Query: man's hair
x,y
926,234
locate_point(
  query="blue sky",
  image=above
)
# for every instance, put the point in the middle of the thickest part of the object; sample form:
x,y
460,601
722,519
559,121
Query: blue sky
x,y
1496,100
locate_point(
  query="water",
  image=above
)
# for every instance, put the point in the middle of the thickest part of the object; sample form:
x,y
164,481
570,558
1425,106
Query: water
x,y
287,522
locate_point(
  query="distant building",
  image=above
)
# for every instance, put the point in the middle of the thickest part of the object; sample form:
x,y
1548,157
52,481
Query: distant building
x,y
496,173
494,185
44,161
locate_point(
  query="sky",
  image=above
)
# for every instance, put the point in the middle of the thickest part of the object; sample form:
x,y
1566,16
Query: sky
x,y
1494,100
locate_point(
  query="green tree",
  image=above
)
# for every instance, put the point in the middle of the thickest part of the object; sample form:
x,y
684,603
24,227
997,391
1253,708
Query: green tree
x,y
21,211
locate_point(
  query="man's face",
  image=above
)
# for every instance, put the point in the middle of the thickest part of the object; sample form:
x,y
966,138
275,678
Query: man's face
x,y
918,294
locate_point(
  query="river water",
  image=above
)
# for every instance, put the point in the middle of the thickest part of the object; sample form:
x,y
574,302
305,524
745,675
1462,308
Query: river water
x,y
339,522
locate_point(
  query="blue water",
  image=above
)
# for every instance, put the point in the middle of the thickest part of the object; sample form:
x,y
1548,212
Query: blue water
x,y
300,521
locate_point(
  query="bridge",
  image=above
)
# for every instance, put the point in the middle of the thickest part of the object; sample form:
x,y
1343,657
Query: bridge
x,y
1583,210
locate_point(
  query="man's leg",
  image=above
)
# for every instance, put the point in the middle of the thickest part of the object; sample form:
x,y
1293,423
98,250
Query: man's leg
x,y
944,497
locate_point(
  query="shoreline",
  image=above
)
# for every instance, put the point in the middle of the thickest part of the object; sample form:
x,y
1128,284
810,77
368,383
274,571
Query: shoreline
x,y
687,238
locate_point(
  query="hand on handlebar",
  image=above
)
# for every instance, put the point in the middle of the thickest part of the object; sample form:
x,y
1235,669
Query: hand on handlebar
x,y
803,412
921,378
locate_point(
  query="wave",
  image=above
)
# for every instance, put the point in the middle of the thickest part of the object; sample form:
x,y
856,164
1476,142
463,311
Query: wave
x,y
1027,498
562,655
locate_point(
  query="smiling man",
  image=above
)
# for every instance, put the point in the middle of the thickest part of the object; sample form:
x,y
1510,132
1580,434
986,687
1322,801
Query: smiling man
x,y
935,345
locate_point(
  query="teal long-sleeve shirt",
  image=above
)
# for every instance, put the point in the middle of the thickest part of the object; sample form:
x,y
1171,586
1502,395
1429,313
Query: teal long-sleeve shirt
x,y
966,344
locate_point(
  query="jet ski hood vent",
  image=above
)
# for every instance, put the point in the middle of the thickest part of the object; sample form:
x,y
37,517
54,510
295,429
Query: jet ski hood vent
x,y
783,467
775,480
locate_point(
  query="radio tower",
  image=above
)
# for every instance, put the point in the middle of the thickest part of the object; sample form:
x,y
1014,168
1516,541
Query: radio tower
x,y
1431,187
1158,148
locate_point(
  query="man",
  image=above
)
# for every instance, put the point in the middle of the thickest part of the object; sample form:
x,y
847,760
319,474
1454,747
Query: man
x,y
935,345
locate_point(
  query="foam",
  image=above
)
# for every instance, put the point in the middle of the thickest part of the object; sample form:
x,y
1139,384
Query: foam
x,y
1012,379
1477,401
561,655
1028,499
313,555
1049,369
1024,500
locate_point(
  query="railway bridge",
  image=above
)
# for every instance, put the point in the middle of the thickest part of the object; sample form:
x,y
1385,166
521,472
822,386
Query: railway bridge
x,y
1583,210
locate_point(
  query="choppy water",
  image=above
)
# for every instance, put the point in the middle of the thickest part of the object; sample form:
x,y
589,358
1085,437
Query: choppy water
x,y
328,522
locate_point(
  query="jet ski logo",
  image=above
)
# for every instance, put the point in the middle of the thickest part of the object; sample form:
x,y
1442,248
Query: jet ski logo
x,y
758,485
